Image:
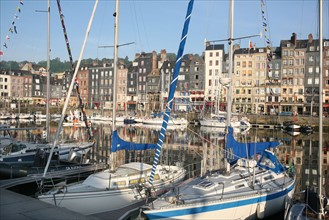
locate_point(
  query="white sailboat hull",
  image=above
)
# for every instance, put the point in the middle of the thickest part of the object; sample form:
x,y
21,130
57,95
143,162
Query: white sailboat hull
x,y
86,199
222,124
93,202
249,204
247,207
155,121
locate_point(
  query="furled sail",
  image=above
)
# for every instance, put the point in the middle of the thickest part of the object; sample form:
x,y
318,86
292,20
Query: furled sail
x,y
236,150
119,144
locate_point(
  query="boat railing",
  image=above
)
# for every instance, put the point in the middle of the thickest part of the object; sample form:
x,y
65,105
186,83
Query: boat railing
x,y
47,184
223,186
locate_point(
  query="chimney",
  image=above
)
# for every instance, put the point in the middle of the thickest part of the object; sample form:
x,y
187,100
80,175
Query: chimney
x,y
293,38
310,38
236,47
163,55
154,60
137,55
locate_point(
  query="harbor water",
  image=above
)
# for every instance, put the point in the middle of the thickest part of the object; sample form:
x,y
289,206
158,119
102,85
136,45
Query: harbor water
x,y
198,149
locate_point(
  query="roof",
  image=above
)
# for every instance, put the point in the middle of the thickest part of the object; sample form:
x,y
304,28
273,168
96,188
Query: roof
x,y
214,46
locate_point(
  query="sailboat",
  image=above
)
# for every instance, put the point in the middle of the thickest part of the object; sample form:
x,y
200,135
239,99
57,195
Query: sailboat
x,y
120,186
26,153
246,189
314,203
219,121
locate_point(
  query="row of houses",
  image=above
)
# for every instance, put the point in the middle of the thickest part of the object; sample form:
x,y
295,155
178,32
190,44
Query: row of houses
x,y
265,80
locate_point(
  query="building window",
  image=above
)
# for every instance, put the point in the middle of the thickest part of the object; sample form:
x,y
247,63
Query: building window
x,y
316,81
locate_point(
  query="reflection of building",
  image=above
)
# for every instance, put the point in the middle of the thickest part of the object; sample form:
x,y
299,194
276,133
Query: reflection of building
x,y
305,152
212,150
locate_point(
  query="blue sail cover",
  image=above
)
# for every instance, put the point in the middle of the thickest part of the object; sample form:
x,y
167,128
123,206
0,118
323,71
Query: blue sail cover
x,y
236,150
269,161
119,144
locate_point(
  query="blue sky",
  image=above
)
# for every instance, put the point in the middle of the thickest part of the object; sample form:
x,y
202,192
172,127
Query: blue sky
x,y
151,24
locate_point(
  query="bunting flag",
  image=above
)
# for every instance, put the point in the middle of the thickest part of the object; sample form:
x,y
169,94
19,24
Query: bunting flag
x,y
81,104
13,28
1,53
268,43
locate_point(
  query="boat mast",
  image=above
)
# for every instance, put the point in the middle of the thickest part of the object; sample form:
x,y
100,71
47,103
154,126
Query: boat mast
x,y
230,70
320,107
172,90
58,131
48,78
115,65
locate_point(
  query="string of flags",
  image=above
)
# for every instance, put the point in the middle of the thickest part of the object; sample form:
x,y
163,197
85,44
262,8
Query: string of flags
x,y
267,41
76,83
13,27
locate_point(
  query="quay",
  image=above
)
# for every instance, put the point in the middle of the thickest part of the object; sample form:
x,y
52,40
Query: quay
x,y
14,206
266,126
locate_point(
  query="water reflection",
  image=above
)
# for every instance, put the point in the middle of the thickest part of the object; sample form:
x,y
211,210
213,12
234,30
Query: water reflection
x,y
201,149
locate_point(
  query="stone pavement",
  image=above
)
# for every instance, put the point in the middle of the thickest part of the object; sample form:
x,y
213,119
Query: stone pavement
x,y
14,206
